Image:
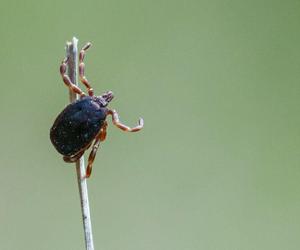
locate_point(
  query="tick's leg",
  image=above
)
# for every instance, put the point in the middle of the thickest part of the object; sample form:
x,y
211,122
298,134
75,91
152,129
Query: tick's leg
x,y
83,79
92,157
99,138
67,80
116,122
102,134
73,158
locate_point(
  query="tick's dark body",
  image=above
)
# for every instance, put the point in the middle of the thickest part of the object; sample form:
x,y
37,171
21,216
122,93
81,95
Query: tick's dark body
x,y
77,125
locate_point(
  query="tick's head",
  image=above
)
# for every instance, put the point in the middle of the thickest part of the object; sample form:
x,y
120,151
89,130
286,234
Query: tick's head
x,y
106,98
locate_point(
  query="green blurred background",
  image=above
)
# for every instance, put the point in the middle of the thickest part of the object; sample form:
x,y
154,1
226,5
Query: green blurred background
x,y
217,164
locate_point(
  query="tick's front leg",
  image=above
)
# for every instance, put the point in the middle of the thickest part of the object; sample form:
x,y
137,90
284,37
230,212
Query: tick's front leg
x,y
116,122
67,80
82,77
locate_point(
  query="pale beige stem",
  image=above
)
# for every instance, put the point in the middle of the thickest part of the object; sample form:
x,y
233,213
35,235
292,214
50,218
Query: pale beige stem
x,y
72,70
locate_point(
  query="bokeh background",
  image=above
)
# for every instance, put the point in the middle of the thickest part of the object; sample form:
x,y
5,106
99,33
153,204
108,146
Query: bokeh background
x,y
217,164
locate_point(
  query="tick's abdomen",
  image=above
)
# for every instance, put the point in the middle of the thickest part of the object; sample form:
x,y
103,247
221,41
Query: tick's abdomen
x,y
77,125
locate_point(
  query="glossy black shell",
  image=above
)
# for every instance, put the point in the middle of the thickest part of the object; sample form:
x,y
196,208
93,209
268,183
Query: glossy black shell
x,y
77,125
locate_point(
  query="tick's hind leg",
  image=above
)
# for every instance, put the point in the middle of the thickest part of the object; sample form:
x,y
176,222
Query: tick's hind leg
x,y
101,137
116,122
67,80
83,79
73,158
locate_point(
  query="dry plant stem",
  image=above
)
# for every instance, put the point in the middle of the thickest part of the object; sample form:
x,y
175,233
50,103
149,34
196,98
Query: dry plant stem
x,y
72,65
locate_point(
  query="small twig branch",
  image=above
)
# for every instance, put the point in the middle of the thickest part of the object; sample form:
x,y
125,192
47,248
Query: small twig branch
x,y
72,54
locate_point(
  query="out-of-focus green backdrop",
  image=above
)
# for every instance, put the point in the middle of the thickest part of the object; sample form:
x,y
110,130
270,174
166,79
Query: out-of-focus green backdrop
x,y
217,164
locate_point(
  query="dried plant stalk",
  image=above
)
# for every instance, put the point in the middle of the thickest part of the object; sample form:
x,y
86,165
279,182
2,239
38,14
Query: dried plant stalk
x,y
72,65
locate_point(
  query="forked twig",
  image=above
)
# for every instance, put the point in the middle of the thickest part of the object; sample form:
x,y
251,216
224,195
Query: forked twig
x,y
72,66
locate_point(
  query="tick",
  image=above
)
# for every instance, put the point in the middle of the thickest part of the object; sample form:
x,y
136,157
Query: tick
x,y
82,124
